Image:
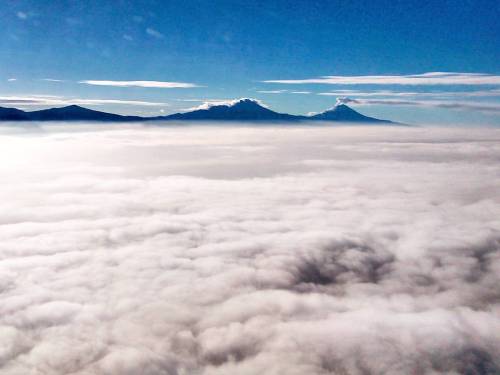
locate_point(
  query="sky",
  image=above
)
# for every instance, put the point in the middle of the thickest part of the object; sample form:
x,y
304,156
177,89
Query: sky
x,y
410,61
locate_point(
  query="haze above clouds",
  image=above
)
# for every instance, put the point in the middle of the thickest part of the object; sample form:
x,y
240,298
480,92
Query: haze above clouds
x,y
246,250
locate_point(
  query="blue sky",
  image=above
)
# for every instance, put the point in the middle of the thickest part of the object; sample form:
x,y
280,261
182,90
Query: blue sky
x,y
153,57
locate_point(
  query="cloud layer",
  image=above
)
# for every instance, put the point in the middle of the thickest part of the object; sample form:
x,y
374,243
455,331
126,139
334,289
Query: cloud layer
x,y
220,250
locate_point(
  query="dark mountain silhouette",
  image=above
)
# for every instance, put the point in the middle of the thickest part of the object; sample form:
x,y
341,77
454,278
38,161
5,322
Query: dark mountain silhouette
x,y
342,112
243,109
13,114
239,110
252,110
77,113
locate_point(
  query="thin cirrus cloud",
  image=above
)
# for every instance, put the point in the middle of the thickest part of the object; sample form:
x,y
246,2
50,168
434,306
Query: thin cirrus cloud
x,y
389,93
282,92
430,78
272,91
52,80
458,105
154,33
149,84
46,100
397,94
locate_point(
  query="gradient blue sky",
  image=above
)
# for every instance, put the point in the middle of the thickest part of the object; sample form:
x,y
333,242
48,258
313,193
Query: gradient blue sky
x,y
230,48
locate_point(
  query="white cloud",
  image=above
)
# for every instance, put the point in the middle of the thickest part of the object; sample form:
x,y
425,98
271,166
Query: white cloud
x,y
272,91
458,105
227,102
155,84
345,100
436,94
48,100
466,100
154,33
11,79
432,78
127,37
22,15
282,92
52,80
237,250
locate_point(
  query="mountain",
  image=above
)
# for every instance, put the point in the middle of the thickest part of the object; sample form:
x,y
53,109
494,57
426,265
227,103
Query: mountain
x,y
238,110
77,113
252,110
12,114
344,113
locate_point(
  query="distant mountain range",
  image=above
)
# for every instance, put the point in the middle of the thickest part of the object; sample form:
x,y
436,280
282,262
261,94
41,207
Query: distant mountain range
x,y
68,113
239,110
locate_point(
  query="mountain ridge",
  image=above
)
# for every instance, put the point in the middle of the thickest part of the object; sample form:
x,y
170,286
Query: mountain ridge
x,y
243,109
342,112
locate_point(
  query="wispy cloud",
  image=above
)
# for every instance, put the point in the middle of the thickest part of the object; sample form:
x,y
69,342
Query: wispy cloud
x,y
431,78
154,33
127,37
22,15
154,84
52,80
458,105
11,79
388,93
272,91
346,100
282,92
48,100
466,100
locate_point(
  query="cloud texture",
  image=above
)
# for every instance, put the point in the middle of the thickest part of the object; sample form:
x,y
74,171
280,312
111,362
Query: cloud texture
x,y
222,250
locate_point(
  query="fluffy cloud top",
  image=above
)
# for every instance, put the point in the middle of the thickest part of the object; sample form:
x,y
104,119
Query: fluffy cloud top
x,y
219,250
225,102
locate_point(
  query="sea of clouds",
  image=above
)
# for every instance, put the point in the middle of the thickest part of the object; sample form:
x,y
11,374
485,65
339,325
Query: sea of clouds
x,y
247,250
